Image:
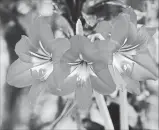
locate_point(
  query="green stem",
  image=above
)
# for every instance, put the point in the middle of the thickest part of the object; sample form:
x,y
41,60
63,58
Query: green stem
x,y
104,111
123,110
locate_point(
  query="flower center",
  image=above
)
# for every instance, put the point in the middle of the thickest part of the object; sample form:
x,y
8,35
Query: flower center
x,y
82,69
42,63
122,64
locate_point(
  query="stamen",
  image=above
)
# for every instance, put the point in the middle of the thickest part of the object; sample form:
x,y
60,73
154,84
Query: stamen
x,y
48,54
39,56
124,42
129,48
75,63
81,58
82,69
42,71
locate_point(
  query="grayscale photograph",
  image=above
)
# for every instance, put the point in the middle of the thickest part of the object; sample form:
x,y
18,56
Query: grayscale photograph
x,y
79,65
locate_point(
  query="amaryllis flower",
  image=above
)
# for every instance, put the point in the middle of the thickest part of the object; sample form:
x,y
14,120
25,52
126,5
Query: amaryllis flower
x,y
82,69
132,61
37,55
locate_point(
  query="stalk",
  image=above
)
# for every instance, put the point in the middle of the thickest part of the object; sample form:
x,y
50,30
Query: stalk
x,y
104,111
123,110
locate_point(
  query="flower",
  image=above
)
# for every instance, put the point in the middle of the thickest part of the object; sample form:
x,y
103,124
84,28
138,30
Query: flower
x,y
38,53
82,69
132,61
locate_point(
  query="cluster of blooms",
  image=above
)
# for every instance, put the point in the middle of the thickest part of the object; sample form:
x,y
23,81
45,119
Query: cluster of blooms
x,y
117,55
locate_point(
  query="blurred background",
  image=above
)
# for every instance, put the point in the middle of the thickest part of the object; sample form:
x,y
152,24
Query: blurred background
x,y
15,114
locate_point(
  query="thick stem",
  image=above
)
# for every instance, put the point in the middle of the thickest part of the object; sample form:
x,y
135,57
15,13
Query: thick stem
x,y
104,111
123,110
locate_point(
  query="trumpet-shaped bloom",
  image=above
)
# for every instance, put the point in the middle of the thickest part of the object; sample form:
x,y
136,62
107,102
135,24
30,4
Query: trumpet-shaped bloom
x,y
82,69
38,54
132,61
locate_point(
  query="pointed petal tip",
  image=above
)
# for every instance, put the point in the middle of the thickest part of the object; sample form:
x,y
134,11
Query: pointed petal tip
x,y
79,28
78,22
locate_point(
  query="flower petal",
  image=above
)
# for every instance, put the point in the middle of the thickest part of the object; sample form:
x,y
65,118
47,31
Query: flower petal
x,y
132,34
19,74
35,90
40,30
69,56
123,63
83,94
144,59
82,45
132,14
123,81
153,47
140,73
116,77
91,52
61,45
142,38
99,50
101,87
42,71
104,27
120,28
132,86
61,72
65,88
129,66
151,30
106,48
77,42
103,79
23,47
